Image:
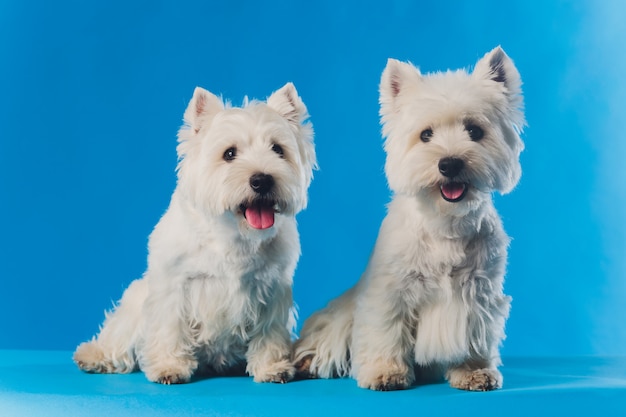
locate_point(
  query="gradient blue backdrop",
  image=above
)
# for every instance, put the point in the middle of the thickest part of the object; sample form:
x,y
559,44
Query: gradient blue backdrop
x,y
92,94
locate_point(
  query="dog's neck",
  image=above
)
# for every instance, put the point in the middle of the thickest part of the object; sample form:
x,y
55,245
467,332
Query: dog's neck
x,y
454,224
453,227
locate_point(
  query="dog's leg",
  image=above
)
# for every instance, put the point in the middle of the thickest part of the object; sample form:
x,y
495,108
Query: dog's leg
x,y
323,350
480,372
112,351
269,356
382,339
269,349
488,314
165,353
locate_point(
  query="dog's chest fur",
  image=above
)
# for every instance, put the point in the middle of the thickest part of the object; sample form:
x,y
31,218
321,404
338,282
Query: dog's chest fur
x,y
434,289
446,279
219,317
225,281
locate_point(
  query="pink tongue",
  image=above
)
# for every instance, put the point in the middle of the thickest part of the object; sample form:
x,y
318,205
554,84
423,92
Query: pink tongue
x,y
453,190
260,217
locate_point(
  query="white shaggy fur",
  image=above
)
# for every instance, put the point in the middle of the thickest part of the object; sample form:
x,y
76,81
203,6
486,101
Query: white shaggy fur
x,y
217,292
430,302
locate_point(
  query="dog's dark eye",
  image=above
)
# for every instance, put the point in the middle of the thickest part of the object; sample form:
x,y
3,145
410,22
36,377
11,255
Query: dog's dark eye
x,y
230,154
279,150
426,135
475,132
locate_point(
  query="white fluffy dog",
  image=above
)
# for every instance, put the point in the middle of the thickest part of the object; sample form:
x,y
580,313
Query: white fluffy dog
x,y
431,297
217,294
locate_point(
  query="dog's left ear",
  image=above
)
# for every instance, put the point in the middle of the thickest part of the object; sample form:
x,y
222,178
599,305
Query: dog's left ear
x,y
498,67
286,102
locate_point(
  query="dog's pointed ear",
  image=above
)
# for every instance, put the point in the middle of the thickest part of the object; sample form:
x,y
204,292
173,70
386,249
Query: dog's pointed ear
x,y
396,77
288,104
498,67
201,109
397,80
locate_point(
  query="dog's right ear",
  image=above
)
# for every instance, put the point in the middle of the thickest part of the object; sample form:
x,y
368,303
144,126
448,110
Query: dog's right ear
x,y
201,109
396,77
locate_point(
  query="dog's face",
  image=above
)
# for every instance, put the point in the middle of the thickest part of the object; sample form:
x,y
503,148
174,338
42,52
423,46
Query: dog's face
x,y
452,138
253,163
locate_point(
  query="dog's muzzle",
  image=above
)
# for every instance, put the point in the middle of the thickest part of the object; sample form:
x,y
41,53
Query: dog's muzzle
x,y
452,191
259,213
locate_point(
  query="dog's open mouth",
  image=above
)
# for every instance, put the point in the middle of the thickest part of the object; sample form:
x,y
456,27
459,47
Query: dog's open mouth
x,y
259,214
453,191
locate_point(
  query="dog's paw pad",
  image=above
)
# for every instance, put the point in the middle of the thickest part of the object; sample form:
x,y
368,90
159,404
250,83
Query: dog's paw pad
x,y
90,358
281,378
478,380
280,375
95,368
387,382
171,379
170,375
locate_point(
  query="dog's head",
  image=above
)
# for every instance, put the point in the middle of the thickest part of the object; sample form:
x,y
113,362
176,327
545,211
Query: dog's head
x,y
254,162
453,138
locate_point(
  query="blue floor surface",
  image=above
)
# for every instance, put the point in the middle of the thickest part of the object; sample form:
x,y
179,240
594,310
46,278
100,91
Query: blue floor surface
x,y
46,383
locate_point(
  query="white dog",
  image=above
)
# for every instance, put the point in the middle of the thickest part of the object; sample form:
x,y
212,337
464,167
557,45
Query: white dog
x,y
432,295
217,294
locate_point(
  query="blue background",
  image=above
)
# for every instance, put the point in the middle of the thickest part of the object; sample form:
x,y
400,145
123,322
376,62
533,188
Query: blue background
x,y
92,95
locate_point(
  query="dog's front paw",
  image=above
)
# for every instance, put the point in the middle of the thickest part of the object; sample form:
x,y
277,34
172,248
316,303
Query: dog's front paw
x,y
90,357
385,377
171,379
170,373
484,379
280,372
386,382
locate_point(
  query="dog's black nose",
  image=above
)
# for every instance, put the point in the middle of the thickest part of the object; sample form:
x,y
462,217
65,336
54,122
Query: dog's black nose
x,y
450,167
261,183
